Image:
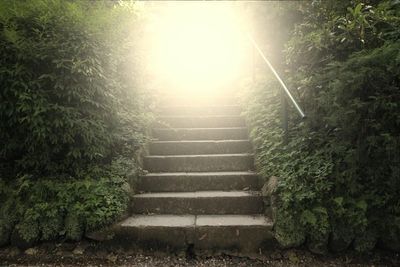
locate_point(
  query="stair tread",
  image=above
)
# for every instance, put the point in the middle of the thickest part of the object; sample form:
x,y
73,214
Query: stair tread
x,y
170,220
198,129
164,220
197,121
199,116
232,220
197,106
222,173
198,181
206,108
200,141
215,132
198,194
199,147
200,155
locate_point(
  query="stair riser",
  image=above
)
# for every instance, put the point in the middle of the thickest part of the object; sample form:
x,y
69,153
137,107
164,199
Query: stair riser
x,y
203,205
199,110
153,238
200,122
197,101
197,183
234,238
200,134
250,239
199,164
196,148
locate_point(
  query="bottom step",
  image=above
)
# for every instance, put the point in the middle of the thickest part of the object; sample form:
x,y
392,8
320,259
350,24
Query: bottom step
x,y
235,233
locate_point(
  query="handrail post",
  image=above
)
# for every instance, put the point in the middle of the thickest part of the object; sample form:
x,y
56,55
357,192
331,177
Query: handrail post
x,y
285,117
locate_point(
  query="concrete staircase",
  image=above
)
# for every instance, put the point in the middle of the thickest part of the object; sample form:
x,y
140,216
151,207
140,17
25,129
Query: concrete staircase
x,y
201,191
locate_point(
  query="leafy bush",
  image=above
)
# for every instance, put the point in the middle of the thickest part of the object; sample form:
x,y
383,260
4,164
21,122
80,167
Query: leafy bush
x,y
72,118
339,171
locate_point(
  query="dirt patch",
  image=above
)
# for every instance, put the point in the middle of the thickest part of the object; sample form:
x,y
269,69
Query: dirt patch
x,y
97,254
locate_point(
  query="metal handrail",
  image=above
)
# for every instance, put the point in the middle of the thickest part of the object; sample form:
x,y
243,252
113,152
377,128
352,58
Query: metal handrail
x,y
285,89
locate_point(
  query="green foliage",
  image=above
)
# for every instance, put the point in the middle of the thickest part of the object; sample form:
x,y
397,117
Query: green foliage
x,y
74,227
65,105
5,232
73,117
28,229
339,171
365,241
288,231
65,208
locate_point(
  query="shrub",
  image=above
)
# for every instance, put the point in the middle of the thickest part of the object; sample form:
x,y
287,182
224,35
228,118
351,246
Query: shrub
x,y
72,119
339,171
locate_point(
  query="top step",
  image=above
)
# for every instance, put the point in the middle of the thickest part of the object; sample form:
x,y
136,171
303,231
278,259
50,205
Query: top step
x,y
199,121
200,110
198,101
168,134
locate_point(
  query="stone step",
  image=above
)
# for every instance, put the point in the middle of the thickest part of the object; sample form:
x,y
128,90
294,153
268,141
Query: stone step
x,y
199,163
199,100
200,121
233,233
200,202
233,133
198,181
199,147
199,110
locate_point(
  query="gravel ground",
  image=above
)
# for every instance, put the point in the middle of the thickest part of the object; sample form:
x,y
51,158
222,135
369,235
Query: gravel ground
x,y
95,254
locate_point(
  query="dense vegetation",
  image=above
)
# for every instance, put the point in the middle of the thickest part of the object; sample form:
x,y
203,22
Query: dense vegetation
x,y
72,117
338,174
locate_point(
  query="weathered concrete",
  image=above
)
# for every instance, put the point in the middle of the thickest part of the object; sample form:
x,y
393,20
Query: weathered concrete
x,y
198,163
244,233
203,202
233,233
198,181
169,232
200,186
173,134
160,220
198,101
232,220
199,110
200,121
196,147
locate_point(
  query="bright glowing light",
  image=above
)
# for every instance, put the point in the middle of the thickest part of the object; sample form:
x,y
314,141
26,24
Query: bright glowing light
x,y
197,45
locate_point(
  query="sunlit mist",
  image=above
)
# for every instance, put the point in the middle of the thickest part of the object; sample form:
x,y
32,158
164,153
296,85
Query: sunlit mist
x,y
197,46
